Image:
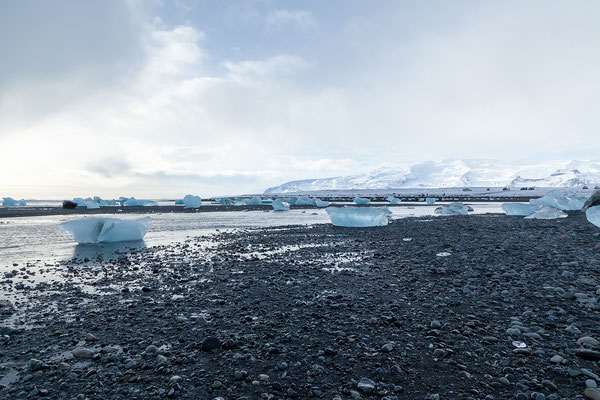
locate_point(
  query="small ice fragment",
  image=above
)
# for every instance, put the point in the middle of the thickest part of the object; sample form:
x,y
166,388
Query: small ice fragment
x,y
320,203
361,200
518,344
593,215
430,201
518,208
10,202
457,208
357,217
98,230
393,200
443,254
280,205
407,239
191,201
546,212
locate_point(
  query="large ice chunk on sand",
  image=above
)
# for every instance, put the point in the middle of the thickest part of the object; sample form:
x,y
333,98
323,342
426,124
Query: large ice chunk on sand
x,y
393,200
135,202
456,208
10,202
99,230
361,200
593,215
280,205
560,201
320,203
546,212
358,217
518,208
190,201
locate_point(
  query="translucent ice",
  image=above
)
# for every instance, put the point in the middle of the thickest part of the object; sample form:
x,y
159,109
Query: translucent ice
x,y
135,202
546,212
393,200
253,201
593,215
358,217
179,202
457,208
98,230
320,203
361,200
518,208
280,205
239,202
560,201
226,202
190,201
10,202
430,201
305,201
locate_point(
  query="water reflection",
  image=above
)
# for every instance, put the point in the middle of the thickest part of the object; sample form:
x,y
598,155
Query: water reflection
x,y
106,250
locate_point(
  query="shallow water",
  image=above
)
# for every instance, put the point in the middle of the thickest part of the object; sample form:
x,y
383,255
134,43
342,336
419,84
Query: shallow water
x,y
41,238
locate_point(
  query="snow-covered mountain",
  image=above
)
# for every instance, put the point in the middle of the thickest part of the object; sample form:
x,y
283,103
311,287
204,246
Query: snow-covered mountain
x,y
457,173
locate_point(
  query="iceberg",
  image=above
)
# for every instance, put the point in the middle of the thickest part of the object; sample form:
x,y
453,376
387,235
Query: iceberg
x,y
225,202
593,215
103,203
393,200
179,202
135,202
190,201
291,200
560,201
305,201
320,203
280,205
100,230
518,209
239,202
546,212
593,200
358,217
10,202
430,201
253,201
361,200
456,208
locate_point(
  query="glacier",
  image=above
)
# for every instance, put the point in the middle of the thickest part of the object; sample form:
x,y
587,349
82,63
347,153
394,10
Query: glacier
x,y
560,201
190,201
593,215
358,217
546,212
518,209
280,205
100,230
10,202
456,208
361,201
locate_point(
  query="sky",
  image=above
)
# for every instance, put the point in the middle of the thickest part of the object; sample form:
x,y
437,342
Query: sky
x,y
158,99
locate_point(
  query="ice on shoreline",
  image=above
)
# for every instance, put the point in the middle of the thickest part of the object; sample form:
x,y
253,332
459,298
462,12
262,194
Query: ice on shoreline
x,y
358,217
100,230
10,202
253,201
547,212
321,203
457,208
132,202
560,201
190,201
518,209
280,205
393,200
361,200
593,215
430,201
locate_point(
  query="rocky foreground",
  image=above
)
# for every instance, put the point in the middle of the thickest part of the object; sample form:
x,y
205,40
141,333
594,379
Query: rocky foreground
x,y
462,307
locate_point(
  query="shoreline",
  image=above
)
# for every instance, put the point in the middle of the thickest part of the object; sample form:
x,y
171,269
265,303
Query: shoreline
x,y
308,312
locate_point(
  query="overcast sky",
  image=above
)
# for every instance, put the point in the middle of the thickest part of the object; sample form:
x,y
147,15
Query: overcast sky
x,y
164,98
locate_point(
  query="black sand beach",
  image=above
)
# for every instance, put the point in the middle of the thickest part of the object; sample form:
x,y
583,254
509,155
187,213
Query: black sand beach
x,y
471,307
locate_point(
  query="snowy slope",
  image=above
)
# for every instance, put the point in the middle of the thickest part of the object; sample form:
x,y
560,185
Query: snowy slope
x,y
457,173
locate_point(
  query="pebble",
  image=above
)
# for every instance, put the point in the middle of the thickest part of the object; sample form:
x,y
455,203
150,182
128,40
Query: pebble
x,y
366,385
82,352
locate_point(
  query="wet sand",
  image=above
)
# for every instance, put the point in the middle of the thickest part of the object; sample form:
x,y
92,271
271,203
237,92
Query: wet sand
x,y
471,307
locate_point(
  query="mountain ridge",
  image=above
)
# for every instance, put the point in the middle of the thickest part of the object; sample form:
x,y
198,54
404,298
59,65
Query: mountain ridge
x,y
457,173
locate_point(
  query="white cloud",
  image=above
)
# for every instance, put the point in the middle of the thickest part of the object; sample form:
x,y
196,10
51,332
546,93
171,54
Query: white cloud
x,y
296,19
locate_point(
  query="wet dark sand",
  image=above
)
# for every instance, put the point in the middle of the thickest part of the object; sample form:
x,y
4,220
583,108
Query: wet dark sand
x,y
308,312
